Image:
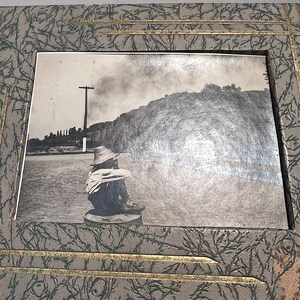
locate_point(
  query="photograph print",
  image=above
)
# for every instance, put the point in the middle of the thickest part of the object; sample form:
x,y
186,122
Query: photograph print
x,y
164,139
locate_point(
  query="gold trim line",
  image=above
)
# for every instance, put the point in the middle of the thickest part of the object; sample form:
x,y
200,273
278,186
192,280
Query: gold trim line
x,y
80,21
3,114
133,275
112,256
191,32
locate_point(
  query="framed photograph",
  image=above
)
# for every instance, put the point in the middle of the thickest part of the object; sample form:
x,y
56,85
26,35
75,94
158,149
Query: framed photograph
x,y
186,151
150,151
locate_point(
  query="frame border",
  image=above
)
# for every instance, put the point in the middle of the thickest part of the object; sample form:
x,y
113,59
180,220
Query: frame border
x,y
290,32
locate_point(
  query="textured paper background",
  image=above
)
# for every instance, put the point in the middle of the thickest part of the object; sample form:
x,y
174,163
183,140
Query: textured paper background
x,y
270,256
72,2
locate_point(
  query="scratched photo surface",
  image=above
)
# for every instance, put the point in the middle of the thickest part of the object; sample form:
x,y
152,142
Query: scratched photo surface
x,y
195,131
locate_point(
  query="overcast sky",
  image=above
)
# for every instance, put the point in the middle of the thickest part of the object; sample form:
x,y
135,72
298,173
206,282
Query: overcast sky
x,y
125,82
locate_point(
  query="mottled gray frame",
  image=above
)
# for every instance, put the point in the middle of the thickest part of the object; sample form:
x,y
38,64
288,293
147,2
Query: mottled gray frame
x,y
281,145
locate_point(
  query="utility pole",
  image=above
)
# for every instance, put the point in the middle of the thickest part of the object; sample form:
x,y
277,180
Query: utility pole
x,y
86,88
86,99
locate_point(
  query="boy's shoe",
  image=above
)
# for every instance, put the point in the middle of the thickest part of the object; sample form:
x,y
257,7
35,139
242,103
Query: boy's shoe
x,y
131,208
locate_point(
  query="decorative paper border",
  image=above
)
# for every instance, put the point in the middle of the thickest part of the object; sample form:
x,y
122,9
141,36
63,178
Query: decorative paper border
x,y
287,27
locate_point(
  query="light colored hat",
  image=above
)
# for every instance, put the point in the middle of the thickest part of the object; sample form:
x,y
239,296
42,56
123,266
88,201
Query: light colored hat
x,y
103,154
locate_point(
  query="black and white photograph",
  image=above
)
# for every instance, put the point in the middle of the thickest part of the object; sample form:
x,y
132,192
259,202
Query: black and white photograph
x,y
164,139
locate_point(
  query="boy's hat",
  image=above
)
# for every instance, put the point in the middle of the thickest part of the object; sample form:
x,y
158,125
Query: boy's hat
x,y
103,154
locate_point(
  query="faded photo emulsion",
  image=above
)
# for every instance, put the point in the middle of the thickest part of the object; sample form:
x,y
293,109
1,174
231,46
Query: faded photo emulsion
x,y
166,139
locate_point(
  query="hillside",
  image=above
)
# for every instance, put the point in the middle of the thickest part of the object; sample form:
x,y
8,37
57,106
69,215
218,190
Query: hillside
x,y
224,131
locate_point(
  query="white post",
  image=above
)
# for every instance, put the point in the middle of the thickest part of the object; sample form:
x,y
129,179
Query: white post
x,y
84,144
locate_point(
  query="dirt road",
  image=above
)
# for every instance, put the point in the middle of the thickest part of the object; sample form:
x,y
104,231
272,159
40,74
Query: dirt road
x,y
53,190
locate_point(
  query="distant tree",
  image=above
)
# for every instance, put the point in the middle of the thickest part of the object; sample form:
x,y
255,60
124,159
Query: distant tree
x,y
32,144
265,74
231,88
72,130
266,77
213,87
60,133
